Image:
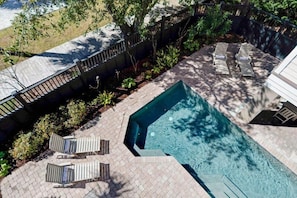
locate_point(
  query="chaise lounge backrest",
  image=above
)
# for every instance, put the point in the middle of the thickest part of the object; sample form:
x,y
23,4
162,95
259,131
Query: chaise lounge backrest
x,y
243,60
220,58
72,145
70,173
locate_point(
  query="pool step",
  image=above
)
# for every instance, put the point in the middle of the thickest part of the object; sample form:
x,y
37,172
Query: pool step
x,y
222,186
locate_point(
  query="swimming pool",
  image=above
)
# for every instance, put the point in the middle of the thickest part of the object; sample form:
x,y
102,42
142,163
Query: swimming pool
x,y
216,152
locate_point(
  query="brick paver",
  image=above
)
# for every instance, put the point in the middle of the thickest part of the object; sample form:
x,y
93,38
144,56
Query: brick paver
x,y
132,176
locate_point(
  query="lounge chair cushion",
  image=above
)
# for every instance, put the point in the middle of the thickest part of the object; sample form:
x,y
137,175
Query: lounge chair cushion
x,y
242,58
74,145
220,57
65,175
67,146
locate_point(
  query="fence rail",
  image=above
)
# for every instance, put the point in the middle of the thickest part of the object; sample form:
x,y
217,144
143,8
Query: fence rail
x,y
115,57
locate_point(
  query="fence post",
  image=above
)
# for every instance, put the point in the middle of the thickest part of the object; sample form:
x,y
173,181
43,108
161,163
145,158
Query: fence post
x,y
17,95
126,52
162,29
78,63
248,11
195,10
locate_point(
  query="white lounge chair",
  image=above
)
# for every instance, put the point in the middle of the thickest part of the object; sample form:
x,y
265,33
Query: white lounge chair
x,y
243,60
220,58
70,173
71,145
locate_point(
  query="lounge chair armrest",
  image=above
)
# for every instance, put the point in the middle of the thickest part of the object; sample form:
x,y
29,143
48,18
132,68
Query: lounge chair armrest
x,y
66,164
69,137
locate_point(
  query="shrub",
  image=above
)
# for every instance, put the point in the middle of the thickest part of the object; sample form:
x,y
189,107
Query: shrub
x,y
21,147
168,58
4,165
156,70
148,75
214,24
76,111
128,83
106,98
47,125
192,45
27,145
146,64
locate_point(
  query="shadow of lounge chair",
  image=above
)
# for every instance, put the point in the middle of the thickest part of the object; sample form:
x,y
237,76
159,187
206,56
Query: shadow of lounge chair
x,y
68,173
71,145
285,114
220,58
243,61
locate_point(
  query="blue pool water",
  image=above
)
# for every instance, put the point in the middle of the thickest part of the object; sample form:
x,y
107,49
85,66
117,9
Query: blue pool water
x,y
217,153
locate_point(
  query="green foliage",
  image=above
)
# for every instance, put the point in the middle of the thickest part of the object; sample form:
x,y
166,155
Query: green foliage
x,y
4,164
22,148
214,24
192,45
130,14
128,83
167,58
106,98
148,75
35,20
156,69
146,64
76,111
28,144
47,125
285,9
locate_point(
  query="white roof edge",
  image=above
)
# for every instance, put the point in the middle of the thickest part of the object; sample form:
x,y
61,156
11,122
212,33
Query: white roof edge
x,y
282,88
286,61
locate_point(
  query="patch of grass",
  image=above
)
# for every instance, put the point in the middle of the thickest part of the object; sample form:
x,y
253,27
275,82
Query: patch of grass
x,y
38,46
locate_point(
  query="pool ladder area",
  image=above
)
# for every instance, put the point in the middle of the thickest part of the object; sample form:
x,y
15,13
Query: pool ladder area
x,y
221,186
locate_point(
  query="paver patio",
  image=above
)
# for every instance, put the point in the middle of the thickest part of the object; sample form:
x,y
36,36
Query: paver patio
x,y
132,176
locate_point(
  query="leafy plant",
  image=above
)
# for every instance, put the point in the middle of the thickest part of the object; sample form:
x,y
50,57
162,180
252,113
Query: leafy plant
x,y
4,164
47,125
128,83
148,75
156,69
22,149
146,64
76,111
106,98
191,44
167,58
214,24
285,9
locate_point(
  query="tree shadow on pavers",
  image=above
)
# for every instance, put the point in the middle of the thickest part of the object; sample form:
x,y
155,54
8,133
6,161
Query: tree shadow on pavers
x,y
117,186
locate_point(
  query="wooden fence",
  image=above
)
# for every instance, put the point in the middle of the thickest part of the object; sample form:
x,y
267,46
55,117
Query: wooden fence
x,y
21,107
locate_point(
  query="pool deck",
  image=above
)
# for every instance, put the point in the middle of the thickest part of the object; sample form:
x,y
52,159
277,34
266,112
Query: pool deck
x,y
128,176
